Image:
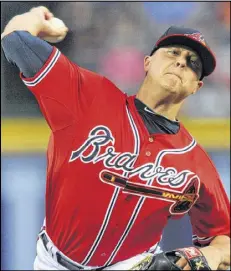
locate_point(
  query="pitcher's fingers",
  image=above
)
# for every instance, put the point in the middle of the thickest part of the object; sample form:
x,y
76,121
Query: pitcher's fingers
x,y
187,267
43,11
54,31
181,262
40,8
49,15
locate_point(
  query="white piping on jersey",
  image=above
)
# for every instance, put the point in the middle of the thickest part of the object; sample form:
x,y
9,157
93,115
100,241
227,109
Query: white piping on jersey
x,y
114,196
135,132
45,72
195,237
138,205
142,199
44,222
203,241
103,227
128,228
175,151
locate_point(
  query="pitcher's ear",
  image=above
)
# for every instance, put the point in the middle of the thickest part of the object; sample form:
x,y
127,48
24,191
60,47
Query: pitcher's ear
x,y
147,61
199,86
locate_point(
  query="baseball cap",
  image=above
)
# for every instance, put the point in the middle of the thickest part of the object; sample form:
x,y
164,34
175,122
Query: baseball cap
x,y
193,39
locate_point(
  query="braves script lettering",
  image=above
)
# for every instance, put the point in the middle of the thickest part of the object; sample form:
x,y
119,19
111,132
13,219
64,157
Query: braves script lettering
x,y
101,136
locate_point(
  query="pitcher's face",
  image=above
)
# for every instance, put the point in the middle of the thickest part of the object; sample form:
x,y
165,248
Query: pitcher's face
x,y
176,68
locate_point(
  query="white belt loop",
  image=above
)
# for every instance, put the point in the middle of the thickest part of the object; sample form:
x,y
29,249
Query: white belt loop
x,y
52,249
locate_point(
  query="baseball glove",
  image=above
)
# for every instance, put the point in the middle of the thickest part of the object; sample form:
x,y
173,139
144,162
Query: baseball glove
x,y
167,260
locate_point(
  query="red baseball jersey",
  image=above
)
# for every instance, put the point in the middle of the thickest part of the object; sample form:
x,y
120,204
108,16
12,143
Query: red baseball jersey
x,y
111,186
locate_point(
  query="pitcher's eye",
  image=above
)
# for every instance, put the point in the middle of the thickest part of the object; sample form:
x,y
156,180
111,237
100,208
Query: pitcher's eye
x,y
173,52
195,61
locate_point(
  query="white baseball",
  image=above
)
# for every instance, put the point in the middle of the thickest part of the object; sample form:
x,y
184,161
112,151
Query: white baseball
x,y
57,23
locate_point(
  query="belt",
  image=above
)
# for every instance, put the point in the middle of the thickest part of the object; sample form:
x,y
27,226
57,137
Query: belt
x,y
64,261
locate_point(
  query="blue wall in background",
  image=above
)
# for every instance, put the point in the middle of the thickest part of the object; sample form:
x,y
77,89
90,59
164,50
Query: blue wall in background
x,y
22,199
22,208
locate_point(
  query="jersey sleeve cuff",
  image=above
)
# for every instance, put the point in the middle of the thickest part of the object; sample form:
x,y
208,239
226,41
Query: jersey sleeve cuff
x,y
47,67
202,241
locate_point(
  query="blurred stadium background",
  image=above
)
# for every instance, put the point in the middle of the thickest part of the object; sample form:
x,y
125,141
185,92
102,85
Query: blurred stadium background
x,y
110,38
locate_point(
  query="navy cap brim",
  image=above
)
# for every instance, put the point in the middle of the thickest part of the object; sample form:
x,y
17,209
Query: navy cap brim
x,y
207,57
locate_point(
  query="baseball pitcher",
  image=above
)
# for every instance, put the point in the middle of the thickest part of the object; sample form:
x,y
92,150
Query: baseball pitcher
x,y
118,166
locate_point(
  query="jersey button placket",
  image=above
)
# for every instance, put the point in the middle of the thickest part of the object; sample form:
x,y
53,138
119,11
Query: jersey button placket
x,y
148,153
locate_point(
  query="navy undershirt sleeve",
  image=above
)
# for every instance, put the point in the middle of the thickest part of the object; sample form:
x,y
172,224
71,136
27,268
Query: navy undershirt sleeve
x,y
25,51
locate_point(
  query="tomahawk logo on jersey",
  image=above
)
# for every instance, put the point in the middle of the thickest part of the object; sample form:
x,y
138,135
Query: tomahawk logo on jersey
x,y
111,186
